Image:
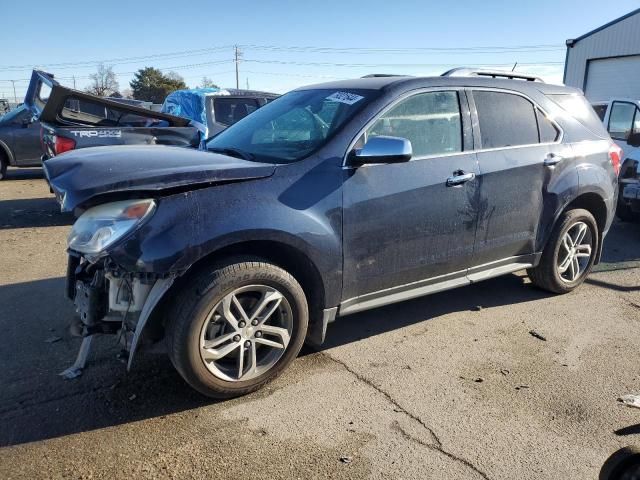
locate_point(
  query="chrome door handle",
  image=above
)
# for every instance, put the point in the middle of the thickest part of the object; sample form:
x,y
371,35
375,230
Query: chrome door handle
x,y
460,177
552,159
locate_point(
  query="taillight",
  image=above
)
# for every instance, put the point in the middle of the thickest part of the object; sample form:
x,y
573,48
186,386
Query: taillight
x,y
63,144
615,155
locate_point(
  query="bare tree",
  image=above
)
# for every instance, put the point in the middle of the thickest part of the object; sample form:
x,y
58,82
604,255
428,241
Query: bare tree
x,y
207,83
104,82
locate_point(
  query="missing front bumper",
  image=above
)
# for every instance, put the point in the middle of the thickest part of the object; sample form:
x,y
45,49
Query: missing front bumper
x,y
109,301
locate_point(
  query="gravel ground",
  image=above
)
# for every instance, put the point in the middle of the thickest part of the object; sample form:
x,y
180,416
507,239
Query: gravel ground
x,y
449,386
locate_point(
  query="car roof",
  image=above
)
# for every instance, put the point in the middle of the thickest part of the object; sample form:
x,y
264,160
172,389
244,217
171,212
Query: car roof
x,y
408,83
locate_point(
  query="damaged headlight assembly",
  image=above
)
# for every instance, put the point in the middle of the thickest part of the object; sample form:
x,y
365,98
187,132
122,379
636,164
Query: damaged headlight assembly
x,y
101,226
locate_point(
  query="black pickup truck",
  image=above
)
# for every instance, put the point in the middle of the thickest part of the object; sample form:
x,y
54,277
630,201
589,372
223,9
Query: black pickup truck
x,y
71,119
55,119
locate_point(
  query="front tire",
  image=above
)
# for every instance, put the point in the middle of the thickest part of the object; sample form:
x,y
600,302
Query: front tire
x,y
236,327
569,255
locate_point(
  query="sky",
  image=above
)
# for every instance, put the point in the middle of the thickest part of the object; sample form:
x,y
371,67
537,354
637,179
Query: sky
x,y
286,44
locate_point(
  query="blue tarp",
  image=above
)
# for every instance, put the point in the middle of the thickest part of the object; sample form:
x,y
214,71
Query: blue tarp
x,y
190,104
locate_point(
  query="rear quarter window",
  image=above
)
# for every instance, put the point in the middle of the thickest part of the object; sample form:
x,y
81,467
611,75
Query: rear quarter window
x,y
579,108
601,111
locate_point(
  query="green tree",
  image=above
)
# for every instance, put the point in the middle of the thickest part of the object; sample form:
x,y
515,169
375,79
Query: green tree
x,y
151,85
207,83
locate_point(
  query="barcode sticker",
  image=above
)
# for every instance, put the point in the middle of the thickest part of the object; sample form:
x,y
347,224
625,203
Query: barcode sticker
x,y
345,97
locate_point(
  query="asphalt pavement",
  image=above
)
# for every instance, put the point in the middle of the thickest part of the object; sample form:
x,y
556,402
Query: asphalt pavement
x,y
449,386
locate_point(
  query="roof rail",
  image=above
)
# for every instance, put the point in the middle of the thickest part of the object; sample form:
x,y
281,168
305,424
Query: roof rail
x,y
471,72
378,75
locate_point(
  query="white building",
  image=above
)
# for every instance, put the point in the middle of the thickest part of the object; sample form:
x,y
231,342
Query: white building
x,y
605,62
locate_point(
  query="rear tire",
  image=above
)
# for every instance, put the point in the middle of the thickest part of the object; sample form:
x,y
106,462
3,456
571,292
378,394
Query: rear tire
x,y
564,265
206,321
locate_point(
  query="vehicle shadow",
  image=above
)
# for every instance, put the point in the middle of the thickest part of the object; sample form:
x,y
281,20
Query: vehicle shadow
x,y
621,252
37,404
32,212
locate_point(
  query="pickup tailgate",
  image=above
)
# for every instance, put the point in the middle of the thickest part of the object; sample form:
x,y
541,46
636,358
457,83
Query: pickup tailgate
x,y
56,139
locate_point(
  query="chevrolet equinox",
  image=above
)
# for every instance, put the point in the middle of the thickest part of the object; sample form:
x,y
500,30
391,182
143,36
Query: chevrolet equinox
x,y
330,200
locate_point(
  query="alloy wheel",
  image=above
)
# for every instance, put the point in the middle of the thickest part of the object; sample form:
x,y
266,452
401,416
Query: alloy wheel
x,y
246,333
575,252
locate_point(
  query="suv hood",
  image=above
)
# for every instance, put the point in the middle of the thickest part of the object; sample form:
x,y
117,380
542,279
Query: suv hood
x,y
78,177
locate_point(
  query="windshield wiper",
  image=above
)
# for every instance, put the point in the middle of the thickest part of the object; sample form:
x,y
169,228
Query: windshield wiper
x,y
233,152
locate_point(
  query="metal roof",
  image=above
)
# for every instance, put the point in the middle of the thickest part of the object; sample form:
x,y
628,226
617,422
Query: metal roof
x,y
573,41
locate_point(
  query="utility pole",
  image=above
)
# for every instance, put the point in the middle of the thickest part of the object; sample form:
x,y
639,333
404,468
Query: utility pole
x,y
15,97
247,83
74,82
238,56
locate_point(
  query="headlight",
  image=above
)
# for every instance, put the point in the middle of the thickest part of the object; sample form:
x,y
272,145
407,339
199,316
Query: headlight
x,y
101,226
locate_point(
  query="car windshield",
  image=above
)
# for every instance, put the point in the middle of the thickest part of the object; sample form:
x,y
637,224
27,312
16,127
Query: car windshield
x,y
291,127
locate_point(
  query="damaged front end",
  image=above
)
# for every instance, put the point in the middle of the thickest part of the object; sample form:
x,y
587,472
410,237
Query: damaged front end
x,y
109,300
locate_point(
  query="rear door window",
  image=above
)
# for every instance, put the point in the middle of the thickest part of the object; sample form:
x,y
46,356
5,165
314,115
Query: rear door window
x,y
624,119
430,121
228,111
506,120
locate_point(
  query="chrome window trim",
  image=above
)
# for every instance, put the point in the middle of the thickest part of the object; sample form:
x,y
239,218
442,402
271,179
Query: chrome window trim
x,y
458,90
535,106
388,107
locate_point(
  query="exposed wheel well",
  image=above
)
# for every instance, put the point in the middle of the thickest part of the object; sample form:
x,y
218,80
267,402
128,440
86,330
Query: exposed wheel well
x,y
594,204
289,258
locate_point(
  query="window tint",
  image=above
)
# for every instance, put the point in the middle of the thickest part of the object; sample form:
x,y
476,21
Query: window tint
x,y
505,120
230,110
621,120
601,110
430,121
548,132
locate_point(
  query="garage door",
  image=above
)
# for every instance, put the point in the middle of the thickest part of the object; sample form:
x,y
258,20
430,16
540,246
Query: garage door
x,y
613,77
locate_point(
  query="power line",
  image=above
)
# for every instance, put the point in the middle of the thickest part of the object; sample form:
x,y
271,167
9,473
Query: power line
x,y
118,61
410,50
375,65
295,49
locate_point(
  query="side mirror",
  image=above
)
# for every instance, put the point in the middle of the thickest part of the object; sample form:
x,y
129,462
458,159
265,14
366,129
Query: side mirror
x,y
634,139
383,149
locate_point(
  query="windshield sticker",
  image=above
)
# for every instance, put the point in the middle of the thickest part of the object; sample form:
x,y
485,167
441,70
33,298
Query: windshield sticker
x,y
345,97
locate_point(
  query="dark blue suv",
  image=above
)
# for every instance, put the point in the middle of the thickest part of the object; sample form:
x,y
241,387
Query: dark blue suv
x,y
330,200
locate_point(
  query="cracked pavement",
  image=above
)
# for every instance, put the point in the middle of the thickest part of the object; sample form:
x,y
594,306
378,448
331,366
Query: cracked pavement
x,y
448,386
